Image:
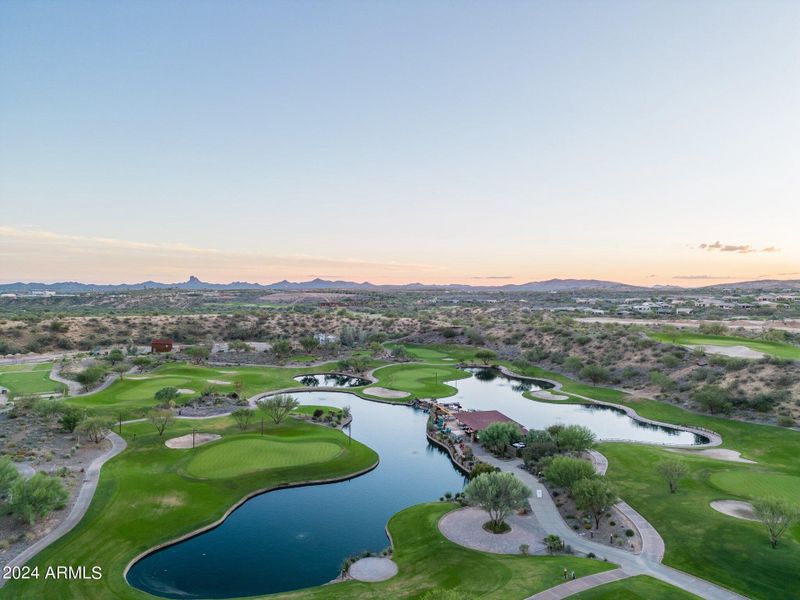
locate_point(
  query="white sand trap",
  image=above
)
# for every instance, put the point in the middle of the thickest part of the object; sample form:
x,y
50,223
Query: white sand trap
x,y
373,568
230,372
449,359
735,508
185,441
185,391
219,382
733,351
381,392
545,395
718,453
138,377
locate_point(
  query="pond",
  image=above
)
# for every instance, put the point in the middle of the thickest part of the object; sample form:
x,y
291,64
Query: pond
x,y
334,380
490,390
299,537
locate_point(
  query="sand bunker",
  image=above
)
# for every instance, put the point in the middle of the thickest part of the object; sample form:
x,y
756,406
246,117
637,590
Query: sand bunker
x,y
733,351
380,392
373,568
718,453
219,382
545,395
185,441
185,391
735,508
229,372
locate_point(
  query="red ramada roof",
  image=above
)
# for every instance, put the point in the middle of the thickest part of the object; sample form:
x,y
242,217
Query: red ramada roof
x,y
481,419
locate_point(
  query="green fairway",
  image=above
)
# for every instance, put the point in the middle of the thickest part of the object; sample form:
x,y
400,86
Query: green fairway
x,y
689,338
135,394
640,587
247,454
423,381
439,353
28,379
699,540
750,484
427,560
143,500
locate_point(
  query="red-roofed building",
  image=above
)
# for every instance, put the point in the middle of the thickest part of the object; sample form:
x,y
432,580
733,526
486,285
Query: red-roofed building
x,y
161,345
477,421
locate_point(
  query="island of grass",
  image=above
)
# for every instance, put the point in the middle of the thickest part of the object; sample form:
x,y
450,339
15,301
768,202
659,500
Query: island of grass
x,y
422,381
692,338
29,379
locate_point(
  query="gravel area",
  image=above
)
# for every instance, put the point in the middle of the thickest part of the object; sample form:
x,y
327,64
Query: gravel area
x,y
465,527
733,351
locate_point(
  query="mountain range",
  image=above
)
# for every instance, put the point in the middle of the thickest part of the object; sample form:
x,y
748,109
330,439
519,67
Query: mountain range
x,y
550,285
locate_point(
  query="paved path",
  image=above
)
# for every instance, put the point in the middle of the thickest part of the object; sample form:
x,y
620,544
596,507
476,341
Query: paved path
x,y
565,590
646,563
91,477
652,542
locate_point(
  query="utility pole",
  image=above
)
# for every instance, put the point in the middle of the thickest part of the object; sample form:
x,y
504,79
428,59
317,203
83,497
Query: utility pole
x,y
193,430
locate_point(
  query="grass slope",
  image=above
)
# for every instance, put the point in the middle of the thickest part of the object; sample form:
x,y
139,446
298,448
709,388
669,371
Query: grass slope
x,y
427,560
685,338
143,499
133,395
640,587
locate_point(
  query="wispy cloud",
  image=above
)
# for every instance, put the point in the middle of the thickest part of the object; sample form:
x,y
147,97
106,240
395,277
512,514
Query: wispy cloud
x,y
491,277
736,248
38,251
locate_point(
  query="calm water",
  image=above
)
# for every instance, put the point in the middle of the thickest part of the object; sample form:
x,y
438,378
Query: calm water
x,y
487,390
295,538
332,380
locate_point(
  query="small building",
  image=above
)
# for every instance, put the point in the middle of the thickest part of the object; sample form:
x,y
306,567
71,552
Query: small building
x,y
161,345
475,421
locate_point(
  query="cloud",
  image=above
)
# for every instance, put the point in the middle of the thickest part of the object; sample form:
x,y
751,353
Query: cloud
x,y
737,248
36,253
492,277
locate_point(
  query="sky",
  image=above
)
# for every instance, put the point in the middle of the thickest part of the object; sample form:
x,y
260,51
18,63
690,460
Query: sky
x,y
438,142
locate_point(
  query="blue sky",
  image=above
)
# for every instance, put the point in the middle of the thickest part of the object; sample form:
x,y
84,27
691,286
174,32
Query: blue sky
x,y
399,141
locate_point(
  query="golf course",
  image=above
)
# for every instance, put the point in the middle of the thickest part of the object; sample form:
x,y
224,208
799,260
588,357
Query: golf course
x,y
151,495
692,338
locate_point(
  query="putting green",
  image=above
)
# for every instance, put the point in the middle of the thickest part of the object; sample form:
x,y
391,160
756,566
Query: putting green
x,y
147,389
758,485
230,458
